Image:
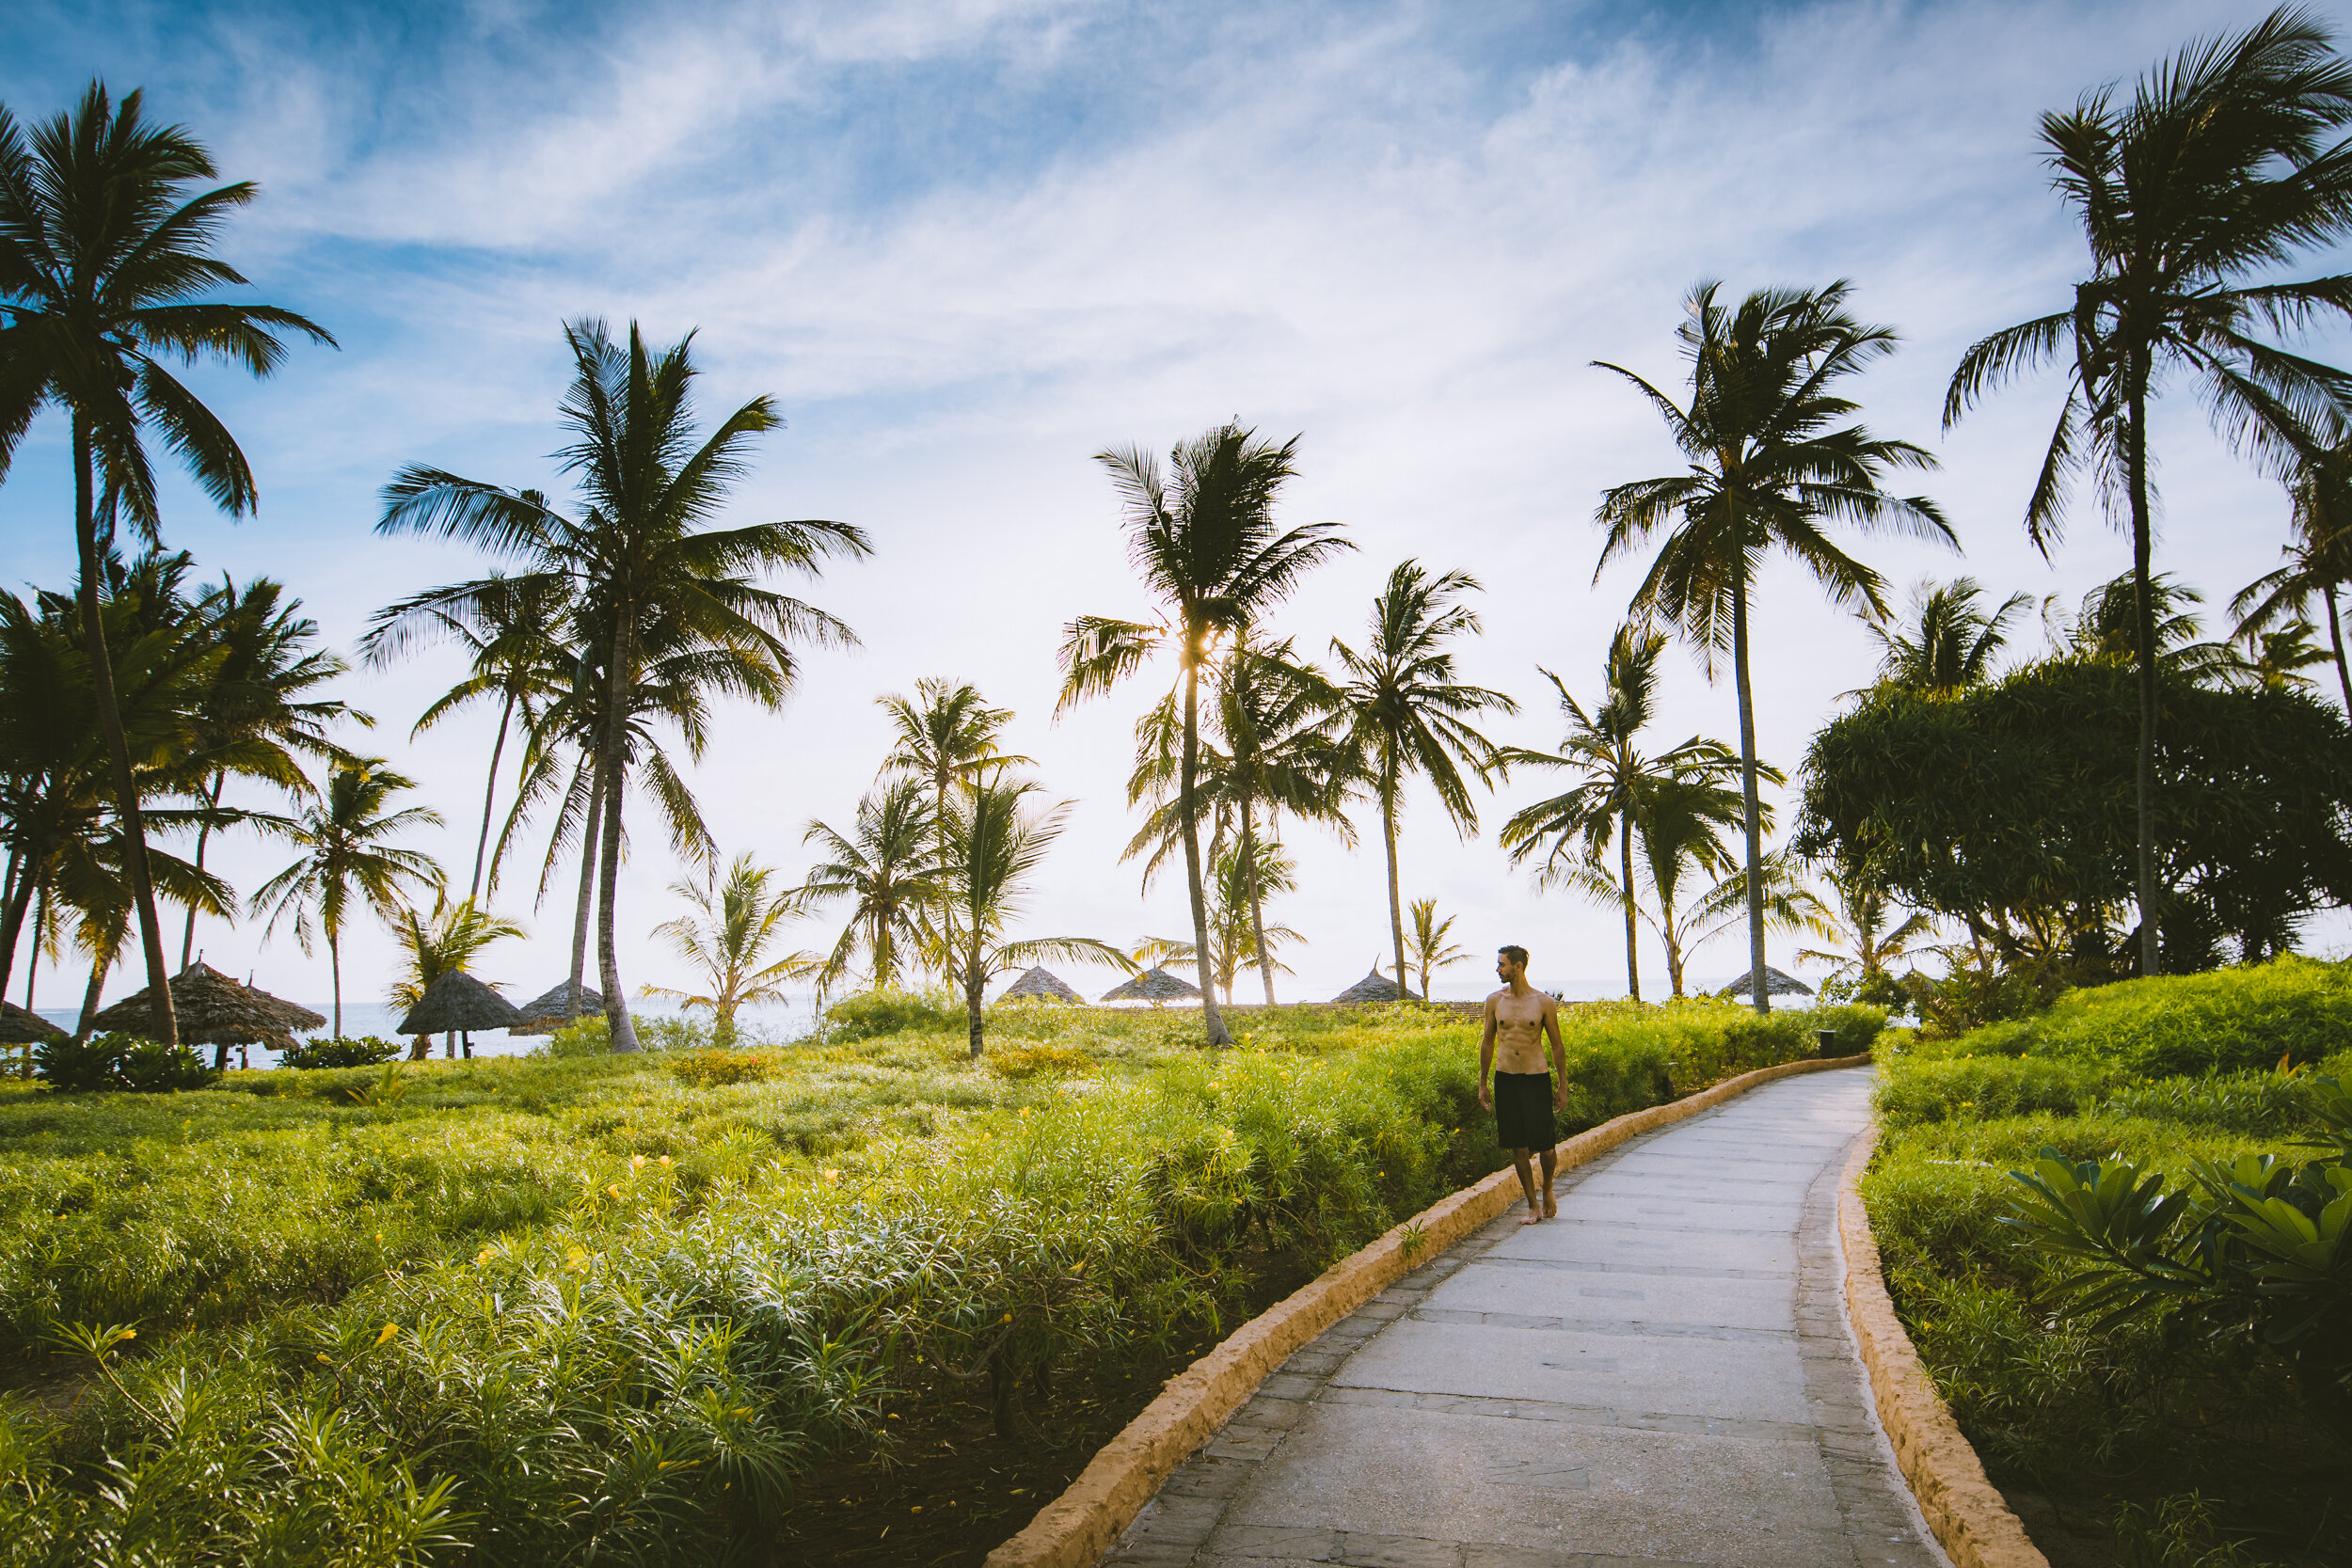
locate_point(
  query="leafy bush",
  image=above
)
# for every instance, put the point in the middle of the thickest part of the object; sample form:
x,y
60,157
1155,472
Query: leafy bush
x,y
313,1054
874,1013
119,1062
1983,1087
587,1036
1856,1025
2249,1102
709,1068
1023,1061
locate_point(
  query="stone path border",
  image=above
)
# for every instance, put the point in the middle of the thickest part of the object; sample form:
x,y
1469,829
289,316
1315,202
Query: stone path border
x,y
1970,1518
1075,1528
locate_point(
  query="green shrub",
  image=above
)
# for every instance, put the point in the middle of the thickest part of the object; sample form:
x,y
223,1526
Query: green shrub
x,y
873,1013
2273,1103
1982,1087
587,1036
1856,1025
313,1054
119,1062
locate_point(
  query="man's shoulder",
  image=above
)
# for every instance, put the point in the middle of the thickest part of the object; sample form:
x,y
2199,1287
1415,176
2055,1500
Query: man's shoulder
x,y
1497,995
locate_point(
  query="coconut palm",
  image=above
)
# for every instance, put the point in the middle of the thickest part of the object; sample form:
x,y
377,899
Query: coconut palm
x,y
2225,165
1769,465
2319,561
345,837
1406,713
104,247
1866,935
442,943
2107,629
740,922
994,844
946,735
1427,946
1573,831
1787,907
1209,552
892,866
644,575
1952,643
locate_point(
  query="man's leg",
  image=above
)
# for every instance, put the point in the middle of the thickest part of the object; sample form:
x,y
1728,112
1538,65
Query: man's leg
x,y
1527,1186
1551,1204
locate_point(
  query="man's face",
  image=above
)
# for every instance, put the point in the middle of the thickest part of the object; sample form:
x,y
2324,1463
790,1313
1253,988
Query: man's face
x,y
1505,969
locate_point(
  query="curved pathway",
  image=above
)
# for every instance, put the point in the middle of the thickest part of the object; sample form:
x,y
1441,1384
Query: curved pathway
x,y
1660,1376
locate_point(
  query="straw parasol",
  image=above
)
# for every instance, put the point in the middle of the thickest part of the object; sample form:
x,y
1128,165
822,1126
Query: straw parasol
x,y
544,1013
1376,986
460,1003
1775,984
1155,984
212,1010
1040,985
24,1026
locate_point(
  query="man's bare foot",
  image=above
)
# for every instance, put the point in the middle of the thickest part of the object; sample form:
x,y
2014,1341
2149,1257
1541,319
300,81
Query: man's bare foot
x,y
1551,1207
1535,1214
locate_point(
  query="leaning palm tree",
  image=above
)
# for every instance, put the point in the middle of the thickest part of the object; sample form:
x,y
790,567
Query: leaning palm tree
x,y
2319,561
2226,165
1406,713
1788,906
1950,644
995,846
1209,552
105,245
1866,935
740,922
1769,465
348,854
1573,831
441,942
891,865
644,573
1429,949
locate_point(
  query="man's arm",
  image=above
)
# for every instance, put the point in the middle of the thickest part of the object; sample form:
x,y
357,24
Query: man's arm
x,y
1559,1054
1486,1058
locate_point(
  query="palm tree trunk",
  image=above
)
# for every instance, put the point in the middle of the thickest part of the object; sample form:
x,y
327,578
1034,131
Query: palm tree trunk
x,y
972,989
1212,1022
118,750
97,968
1257,899
590,838
2144,633
1758,993
1632,932
21,882
335,972
608,956
203,832
490,794
1387,836
2335,639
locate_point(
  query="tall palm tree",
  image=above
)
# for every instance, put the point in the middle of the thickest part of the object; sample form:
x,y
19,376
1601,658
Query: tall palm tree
x,y
892,864
945,737
1209,552
645,574
1408,713
1952,643
442,943
1767,465
345,837
995,846
740,922
1618,781
2319,560
1429,949
104,246
2226,163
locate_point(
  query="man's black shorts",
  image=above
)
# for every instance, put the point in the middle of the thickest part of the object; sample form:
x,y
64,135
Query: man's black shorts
x,y
1523,1110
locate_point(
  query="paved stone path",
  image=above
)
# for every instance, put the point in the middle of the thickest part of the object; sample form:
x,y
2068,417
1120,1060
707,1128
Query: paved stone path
x,y
1660,1376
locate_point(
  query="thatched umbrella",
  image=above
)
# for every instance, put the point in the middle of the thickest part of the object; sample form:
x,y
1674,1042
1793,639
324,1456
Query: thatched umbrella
x,y
215,1011
1155,984
1040,985
457,1004
24,1026
1775,984
1375,986
544,1013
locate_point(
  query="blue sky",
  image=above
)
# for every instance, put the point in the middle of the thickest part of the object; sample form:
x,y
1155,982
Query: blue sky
x,y
966,245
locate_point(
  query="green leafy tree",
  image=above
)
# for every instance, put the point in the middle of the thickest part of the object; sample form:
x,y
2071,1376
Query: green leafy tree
x,y
1408,713
347,856
2221,168
1951,641
728,938
1208,550
106,248
1427,945
1769,465
892,866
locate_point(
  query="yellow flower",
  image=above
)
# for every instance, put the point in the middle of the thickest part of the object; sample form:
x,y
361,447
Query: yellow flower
x,y
831,1174
612,1188
390,1332
322,1356
665,1159
637,1162
481,1258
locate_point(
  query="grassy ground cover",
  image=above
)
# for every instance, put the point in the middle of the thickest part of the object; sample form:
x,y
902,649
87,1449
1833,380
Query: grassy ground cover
x,y
862,1301
2151,1441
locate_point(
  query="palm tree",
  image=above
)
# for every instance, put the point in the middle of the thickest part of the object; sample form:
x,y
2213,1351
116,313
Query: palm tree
x,y
1210,553
1766,471
945,737
103,248
994,845
892,864
740,921
1407,713
2107,629
1867,935
2319,560
1954,644
2222,167
1428,946
345,839
443,942
1618,780
645,575
1787,906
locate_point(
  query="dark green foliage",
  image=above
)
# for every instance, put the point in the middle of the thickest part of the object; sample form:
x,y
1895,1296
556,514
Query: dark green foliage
x,y
871,1014
1857,1025
365,1051
119,1062
1982,1087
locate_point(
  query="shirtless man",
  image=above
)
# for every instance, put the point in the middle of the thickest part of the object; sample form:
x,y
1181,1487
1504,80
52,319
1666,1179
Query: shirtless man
x,y
1520,1021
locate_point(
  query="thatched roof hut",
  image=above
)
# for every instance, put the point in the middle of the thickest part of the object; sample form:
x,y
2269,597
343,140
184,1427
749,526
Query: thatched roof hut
x,y
1040,985
544,1013
455,1001
212,1010
24,1026
1775,984
1376,986
1155,984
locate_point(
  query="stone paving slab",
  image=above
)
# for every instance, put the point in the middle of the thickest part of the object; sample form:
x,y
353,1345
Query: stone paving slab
x,y
1662,1378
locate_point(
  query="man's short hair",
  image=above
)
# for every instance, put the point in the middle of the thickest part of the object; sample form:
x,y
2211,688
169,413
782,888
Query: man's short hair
x,y
1516,953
